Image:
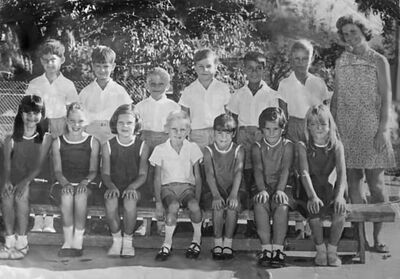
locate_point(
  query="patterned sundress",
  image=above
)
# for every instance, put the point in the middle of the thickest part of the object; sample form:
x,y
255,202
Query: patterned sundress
x,y
358,111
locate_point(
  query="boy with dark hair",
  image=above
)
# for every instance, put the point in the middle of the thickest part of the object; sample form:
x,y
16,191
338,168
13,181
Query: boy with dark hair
x,y
102,96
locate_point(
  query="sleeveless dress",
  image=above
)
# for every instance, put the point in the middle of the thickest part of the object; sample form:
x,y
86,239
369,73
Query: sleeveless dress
x,y
358,111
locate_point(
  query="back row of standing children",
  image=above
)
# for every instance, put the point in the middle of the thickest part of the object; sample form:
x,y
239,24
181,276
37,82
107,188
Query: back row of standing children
x,y
208,119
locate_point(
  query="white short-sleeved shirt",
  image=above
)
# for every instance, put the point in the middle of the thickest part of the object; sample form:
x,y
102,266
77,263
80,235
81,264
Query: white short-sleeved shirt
x,y
100,104
154,112
301,97
248,107
56,95
176,167
205,104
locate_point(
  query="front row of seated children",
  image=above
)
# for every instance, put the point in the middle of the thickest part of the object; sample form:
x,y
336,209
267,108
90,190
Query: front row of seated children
x,y
177,180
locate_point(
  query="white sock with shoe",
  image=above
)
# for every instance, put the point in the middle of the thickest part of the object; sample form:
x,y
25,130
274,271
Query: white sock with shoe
x,y
77,241
333,259
169,232
321,257
127,246
115,249
38,224
49,224
21,244
68,237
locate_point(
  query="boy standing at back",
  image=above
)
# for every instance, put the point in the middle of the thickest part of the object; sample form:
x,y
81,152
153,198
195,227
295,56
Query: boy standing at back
x,y
205,98
57,93
153,112
102,96
56,90
247,104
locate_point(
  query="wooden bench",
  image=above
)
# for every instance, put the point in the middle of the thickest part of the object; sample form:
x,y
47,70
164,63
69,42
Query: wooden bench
x,y
356,213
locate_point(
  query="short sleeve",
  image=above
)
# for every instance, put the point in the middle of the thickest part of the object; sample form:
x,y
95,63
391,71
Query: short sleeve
x,y
195,154
33,89
184,100
233,104
72,95
156,157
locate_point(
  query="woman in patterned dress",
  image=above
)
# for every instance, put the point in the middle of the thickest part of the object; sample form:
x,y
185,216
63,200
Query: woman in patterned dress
x,y
360,106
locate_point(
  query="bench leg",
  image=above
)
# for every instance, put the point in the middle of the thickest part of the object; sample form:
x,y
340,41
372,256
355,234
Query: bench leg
x,y
148,226
361,241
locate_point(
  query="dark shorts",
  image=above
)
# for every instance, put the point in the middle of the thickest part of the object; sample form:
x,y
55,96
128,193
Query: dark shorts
x,y
182,192
207,199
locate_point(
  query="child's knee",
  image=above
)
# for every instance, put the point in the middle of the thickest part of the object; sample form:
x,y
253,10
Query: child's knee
x,y
173,207
193,205
130,205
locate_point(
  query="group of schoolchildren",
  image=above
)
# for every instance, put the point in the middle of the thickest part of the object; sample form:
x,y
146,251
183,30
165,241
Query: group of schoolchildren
x,y
212,150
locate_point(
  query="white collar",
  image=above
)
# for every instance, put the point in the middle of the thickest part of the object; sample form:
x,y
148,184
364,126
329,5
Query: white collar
x,y
223,151
272,145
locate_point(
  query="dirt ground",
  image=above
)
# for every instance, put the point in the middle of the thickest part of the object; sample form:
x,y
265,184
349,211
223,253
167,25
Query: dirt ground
x,y
382,266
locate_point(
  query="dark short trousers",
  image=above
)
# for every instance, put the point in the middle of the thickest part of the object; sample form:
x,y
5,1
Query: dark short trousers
x,y
182,192
207,199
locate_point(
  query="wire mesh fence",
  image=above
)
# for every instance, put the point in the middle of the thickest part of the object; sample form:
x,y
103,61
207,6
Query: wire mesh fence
x,y
11,93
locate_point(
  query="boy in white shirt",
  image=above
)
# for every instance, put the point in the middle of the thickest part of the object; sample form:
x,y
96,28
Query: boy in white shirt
x,y
56,90
177,182
301,89
102,96
205,98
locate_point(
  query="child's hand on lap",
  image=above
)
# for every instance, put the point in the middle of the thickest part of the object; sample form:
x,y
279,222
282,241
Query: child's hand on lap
x,y
82,187
314,205
159,211
8,190
130,193
67,189
232,202
218,203
340,205
20,189
112,193
281,197
262,197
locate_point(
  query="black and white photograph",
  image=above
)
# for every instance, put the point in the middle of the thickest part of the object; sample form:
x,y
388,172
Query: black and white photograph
x,y
200,139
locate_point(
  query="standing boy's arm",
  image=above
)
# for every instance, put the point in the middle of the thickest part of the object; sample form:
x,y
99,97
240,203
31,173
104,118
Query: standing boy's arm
x,y
341,180
197,176
218,202
7,188
287,160
142,175
44,150
314,203
112,190
262,195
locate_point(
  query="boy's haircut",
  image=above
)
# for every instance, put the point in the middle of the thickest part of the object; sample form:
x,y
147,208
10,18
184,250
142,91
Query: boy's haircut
x,y
204,54
256,57
103,54
321,113
350,19
52,46
272,114
28,104
124,109
177,115
225,122
302,44
158,71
